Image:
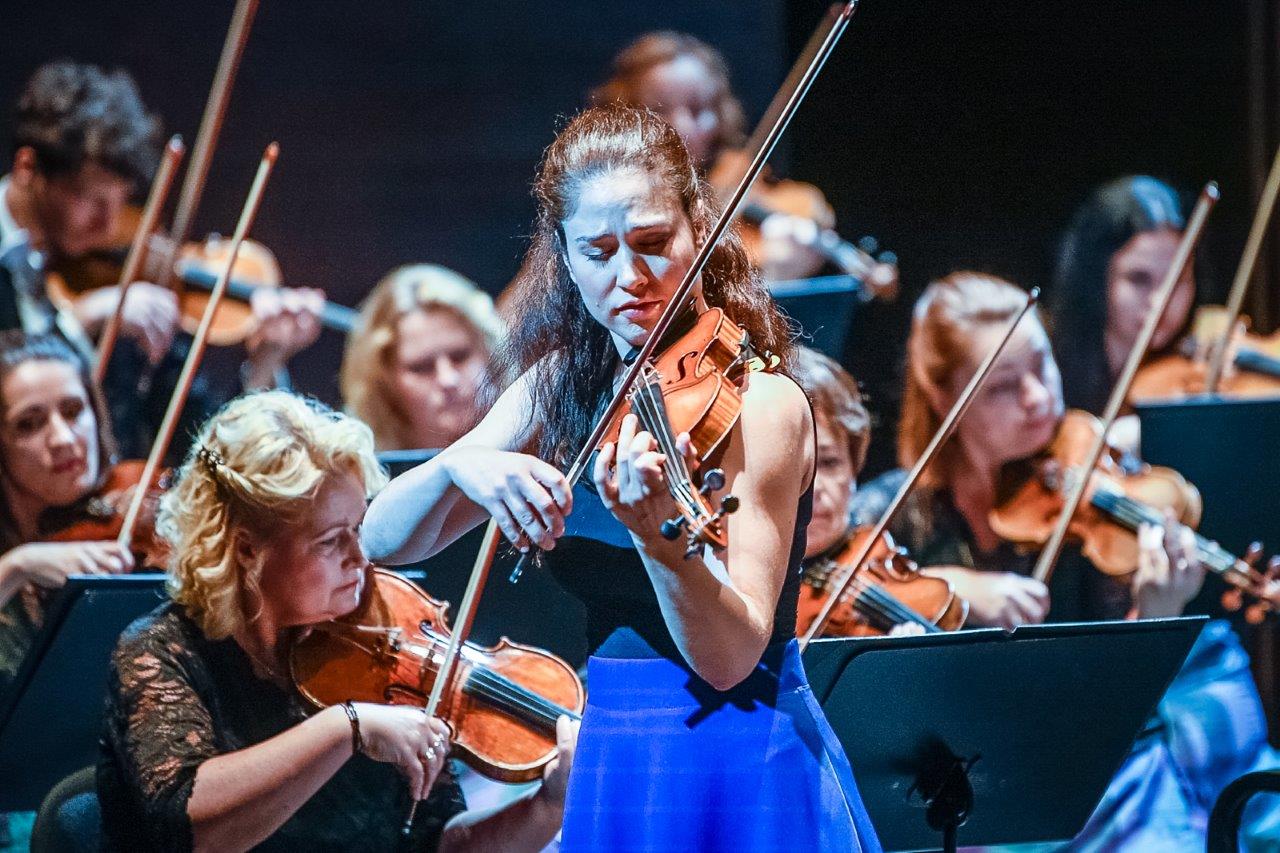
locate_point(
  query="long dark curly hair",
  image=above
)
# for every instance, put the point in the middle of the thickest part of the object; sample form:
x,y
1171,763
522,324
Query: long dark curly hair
x,y
1111,216
551,327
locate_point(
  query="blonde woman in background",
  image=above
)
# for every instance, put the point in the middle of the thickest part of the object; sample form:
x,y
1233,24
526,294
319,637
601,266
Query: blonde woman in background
x,y
418,363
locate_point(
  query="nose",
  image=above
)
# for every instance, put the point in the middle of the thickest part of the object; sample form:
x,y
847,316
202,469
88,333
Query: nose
x,y
631,271
447,375
60,432
1035,395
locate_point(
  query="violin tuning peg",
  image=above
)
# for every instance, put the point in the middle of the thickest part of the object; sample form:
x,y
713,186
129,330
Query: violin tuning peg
x,y
712,481
670,529
1254,614
1232,600
869,244
728,505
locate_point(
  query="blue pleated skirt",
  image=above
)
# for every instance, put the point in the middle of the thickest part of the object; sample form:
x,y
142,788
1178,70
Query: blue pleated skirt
x,y
664,762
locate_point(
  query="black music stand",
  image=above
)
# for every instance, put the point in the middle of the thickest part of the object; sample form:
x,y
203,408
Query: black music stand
x,y
821,309
51,714
1014,735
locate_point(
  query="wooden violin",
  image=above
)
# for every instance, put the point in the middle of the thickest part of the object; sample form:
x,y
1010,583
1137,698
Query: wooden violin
x,y
195,269
101,516
1184,373
1031,495
501,705
694,385
887,590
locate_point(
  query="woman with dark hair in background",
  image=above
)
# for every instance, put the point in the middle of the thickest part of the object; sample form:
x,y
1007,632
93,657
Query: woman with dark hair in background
x,y
1116,252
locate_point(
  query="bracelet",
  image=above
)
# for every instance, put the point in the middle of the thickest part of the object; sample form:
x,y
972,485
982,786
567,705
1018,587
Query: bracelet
x,y
357,743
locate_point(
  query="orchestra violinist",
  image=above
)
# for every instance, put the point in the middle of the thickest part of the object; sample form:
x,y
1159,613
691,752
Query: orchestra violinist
x,y
206,741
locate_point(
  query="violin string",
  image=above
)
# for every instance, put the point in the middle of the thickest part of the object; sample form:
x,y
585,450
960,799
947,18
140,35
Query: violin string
x,y
504,692
875,600
1132,513
654,419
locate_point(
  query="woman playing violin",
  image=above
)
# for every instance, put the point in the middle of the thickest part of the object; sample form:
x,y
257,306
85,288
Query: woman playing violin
x,y
698,730
842,433
205,742
1172,778
83,145
418,365
686,82
1117,250
55,450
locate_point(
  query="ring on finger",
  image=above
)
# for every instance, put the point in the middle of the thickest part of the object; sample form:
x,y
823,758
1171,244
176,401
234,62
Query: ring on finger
x,y
437,741
430,754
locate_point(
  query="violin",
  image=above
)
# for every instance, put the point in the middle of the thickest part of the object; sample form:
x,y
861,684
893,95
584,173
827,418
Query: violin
x,y
693,384
1031,496
501,704
101,516
1183,373
195,269
808,221
887,590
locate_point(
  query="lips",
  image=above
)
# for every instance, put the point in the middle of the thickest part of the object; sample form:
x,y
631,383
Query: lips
x,y
69,466
639,308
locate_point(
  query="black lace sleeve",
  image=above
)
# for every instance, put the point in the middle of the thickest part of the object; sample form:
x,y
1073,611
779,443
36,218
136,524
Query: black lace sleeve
x,y
157,733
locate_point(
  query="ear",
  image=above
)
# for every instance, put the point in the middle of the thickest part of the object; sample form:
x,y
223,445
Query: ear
x,y
245,548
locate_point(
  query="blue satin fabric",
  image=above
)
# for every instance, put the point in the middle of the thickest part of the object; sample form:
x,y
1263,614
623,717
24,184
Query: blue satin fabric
x,y
664,762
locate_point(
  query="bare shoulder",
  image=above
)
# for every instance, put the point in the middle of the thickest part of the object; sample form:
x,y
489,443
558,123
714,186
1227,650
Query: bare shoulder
x,y
775,402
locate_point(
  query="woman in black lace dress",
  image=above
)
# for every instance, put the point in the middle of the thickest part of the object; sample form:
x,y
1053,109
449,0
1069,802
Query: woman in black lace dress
x,y
205,743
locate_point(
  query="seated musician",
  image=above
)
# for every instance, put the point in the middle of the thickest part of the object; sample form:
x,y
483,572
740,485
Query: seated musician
x,y
1114,256
83,146
686,82
206,743
417,366
843,430
55,449
1210,727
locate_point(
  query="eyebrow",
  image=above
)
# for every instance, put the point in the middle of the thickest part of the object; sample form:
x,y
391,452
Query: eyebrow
x,y
651,226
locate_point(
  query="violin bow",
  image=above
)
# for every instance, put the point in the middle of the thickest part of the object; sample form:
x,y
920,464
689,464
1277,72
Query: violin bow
x,y
944,431
1244,273
164,436
160,186
1053,547
207,136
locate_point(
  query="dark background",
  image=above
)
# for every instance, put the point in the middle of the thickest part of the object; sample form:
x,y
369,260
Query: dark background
x,y
961,134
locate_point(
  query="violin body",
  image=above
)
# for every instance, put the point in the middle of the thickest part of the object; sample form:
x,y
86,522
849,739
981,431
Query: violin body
x,y
101,517
256,266
501,707
887,591
1181,374
1033,495
694,386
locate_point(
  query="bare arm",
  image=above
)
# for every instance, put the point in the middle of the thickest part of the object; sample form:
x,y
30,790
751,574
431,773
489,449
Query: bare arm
x,y
425,509
719,607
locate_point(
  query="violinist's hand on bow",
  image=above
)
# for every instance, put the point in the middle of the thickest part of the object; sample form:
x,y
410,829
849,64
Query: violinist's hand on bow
x,y
1169,574
150,315
528,498
406,737
631,479
49,564
997,599
287,321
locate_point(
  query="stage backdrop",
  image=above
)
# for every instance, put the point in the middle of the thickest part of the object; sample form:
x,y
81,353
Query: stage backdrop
x,y
409,129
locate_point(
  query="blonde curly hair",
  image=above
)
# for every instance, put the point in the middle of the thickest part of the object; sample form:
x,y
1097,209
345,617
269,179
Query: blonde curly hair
x,y
254,470
365,377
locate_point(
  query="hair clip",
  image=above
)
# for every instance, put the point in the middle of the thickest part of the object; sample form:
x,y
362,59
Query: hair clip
x,y
210,459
